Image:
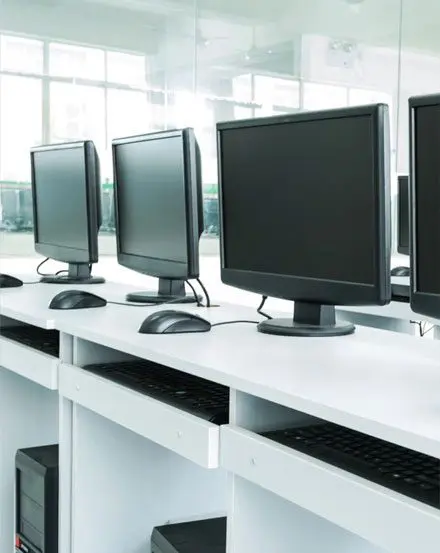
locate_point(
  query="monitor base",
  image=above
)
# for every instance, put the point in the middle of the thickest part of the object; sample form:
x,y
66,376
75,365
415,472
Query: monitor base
x,y
170,291
309,320
158,298
77,273
67,279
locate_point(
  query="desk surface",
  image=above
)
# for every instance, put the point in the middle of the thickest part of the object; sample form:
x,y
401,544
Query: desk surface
x,y
381,383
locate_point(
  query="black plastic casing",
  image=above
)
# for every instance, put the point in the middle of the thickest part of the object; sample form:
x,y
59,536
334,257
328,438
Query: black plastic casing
x,y
192,211
326,292
93,206
421,302
403,215
30,464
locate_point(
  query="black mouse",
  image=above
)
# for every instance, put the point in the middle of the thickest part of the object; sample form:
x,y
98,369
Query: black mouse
x,y
8,281
400,272
76,299
174,322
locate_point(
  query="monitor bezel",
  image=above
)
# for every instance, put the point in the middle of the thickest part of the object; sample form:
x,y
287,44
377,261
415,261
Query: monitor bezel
x,y
60,252
421,302
323,291
165,268
402,249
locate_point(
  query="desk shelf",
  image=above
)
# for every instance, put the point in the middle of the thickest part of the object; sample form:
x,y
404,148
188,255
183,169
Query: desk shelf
x,y
379,515
30,363
187,435
28,418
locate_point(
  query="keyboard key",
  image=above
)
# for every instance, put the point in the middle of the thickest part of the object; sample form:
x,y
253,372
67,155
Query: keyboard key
x,y
397,468
196,395
46,341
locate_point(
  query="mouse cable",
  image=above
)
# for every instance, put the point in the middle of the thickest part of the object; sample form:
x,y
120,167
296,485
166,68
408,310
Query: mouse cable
x,y
260,308
196,297
235,322
205,291
132,304
40,265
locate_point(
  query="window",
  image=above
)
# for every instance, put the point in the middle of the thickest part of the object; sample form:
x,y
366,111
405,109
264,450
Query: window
x,y
77,112
76,62
126,69
127,114
20,125
21,55
88,93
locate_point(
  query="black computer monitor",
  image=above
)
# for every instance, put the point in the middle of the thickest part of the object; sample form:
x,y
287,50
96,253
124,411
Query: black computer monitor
x,y
425,204
66,196
305,213
159,210
403,215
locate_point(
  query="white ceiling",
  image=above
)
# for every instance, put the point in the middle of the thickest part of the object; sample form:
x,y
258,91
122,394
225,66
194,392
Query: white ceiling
x,y
235,22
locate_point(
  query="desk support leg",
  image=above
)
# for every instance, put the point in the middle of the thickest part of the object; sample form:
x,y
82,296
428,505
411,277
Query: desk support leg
x,y
373,321
65,474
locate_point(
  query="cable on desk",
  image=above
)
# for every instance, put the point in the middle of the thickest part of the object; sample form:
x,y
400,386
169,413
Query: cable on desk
x,y
260,308
39,267
244,321
424,330
146,304
196,297
419,324
132,304
205,291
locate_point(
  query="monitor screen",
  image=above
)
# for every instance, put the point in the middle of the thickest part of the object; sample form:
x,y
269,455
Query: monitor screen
x,y
426,194
61,198
299,199
305,207
151,199
403,216
305,212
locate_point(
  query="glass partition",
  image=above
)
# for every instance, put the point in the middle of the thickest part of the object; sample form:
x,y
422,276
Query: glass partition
x,y
99,69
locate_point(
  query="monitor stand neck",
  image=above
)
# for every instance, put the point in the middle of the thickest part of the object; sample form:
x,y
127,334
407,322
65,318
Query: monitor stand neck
x,y
309,319
77,273
170,291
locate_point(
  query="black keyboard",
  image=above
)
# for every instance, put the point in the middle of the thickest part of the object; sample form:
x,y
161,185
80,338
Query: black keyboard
x,y
405,471
47,341
195,395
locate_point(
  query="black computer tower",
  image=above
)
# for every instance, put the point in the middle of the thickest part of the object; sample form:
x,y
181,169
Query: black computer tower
x,y
201,536
36,492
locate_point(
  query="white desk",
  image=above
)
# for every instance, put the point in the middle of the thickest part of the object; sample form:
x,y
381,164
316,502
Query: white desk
x,y
396,316
129,462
